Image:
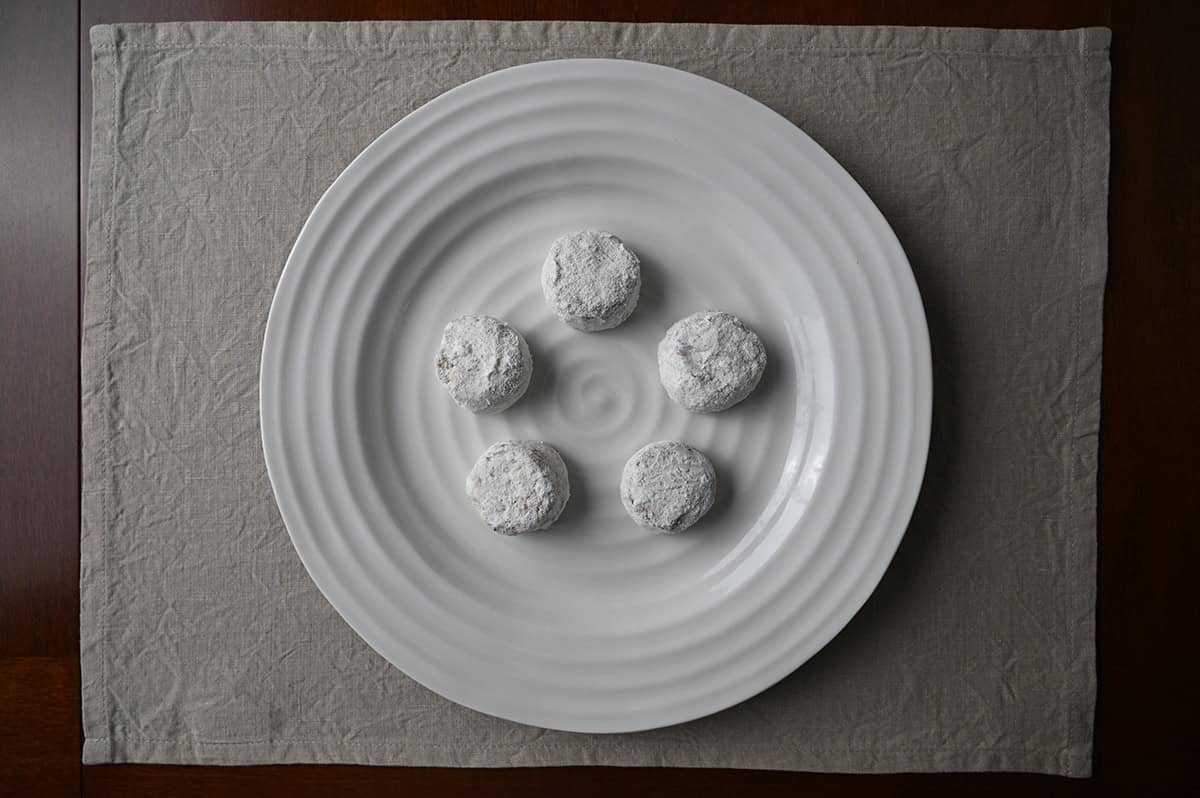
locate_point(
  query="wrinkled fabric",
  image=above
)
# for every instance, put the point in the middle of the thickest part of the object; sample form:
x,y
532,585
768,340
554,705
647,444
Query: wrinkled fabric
x,y
202,638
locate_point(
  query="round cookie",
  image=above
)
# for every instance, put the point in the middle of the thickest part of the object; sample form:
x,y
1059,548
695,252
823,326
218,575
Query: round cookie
x,y
519,486
484,363
591,280
668,486
710,361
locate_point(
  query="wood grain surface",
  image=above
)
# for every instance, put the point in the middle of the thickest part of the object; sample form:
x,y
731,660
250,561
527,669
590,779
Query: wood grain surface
x,y
1145,738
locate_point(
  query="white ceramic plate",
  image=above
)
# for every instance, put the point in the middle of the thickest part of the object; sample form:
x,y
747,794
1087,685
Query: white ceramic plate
x,y
596,625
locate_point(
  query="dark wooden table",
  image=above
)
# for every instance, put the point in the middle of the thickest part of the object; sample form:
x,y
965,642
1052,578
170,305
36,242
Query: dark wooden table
x,y
1145,736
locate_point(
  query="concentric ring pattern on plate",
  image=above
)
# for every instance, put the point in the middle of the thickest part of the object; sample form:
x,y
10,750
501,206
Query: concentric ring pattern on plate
x,y
596,625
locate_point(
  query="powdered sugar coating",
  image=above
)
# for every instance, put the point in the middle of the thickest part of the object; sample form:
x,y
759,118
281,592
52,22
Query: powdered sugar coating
x,y
710,361
519,486
591,280
668,486
484,363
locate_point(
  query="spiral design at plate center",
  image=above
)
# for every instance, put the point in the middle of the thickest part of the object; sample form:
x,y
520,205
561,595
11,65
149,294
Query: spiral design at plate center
x,y
594,395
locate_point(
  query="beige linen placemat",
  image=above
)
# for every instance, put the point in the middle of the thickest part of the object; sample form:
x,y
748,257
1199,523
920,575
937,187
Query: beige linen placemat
x,y
203,639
